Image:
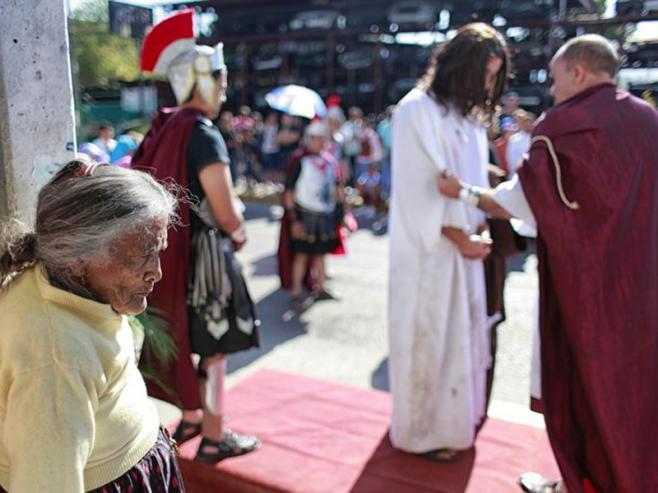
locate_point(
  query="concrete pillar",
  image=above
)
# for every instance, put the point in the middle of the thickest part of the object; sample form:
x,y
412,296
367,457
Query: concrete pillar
x,y
37,131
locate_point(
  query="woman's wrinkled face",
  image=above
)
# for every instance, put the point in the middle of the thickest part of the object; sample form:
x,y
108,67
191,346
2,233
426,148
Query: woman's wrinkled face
x,y
134,267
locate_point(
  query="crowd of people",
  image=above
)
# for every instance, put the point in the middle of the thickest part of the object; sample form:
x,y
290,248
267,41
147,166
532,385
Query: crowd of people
x,y
74,412
260,149
106,149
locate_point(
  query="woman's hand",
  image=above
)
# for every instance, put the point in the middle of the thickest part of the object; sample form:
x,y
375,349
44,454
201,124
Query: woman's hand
x,y
448,185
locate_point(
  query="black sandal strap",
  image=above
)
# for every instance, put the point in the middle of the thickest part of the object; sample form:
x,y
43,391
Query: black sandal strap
x,y
231,445
186,431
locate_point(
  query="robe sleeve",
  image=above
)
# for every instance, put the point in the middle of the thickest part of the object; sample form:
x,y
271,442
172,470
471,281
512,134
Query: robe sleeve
x,y
509,195
419,153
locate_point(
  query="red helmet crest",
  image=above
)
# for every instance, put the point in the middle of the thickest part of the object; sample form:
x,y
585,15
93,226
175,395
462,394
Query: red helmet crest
x,y
167,40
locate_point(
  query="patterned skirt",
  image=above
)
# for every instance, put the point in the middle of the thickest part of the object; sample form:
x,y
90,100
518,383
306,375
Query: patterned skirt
x,y
156,472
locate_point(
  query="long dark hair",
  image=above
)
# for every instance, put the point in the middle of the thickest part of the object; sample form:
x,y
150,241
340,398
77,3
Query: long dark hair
x,y
457,71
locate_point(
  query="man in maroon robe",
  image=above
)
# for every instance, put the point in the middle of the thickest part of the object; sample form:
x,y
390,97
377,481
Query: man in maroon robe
x,y
590,182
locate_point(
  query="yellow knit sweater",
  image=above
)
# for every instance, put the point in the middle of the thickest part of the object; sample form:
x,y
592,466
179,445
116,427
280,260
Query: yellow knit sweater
x,y
74,414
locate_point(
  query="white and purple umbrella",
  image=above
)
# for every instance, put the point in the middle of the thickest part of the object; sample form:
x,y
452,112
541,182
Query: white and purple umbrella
x,y
297,101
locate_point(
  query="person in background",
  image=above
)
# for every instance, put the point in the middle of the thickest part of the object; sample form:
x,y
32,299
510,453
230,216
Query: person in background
x,y
105,140
369,185
247,149
519,142
244,121
351,137
334,145
124,150
257,141
227,130
313,202
75,414
385,132
203,297
270,148
371,148
288,137
507,129
510,105
438,325
93,152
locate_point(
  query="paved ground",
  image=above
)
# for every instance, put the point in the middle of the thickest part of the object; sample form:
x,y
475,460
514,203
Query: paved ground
x,y
345,341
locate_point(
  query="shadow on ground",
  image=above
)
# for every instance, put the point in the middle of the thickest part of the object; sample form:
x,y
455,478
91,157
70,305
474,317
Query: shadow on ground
x,y
265,266
279,324
391,470
516,263
262,210
379,378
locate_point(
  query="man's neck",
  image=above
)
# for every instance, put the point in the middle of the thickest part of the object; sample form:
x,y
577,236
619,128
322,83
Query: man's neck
x,y
194,105
597,80
593,81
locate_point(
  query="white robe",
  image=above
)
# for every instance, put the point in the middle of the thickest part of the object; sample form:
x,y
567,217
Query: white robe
x,y
438,330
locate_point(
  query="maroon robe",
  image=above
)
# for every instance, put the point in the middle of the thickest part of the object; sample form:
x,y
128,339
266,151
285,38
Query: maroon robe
x,y
598,271
284,252
163,153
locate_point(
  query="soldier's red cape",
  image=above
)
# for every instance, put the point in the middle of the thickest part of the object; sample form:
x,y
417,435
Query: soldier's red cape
x,y
598,269
163,154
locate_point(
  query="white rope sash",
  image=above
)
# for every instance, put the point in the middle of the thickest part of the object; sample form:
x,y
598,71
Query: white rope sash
x,y
573,205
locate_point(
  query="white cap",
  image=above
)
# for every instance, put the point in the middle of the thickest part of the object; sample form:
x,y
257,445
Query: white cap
x,y
316,128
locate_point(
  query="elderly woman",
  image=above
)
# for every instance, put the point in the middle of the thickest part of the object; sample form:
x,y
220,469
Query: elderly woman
x,y
74,414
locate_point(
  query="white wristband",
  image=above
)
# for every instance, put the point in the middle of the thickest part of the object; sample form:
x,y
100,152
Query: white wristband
x,y
470,195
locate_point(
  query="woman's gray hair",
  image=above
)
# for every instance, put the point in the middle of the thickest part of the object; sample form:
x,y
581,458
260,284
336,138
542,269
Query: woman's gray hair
x,y
81,213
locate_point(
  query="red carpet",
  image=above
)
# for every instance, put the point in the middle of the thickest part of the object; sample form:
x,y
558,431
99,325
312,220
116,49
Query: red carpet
x,y
320,437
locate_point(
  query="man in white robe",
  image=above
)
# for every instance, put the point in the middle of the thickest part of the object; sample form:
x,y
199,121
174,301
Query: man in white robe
x,y
438,329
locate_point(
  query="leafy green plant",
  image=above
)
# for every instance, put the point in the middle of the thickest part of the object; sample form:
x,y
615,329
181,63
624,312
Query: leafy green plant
x,y
157,341
101,56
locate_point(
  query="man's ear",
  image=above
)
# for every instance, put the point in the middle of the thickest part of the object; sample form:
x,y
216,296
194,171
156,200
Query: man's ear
x,y
579,73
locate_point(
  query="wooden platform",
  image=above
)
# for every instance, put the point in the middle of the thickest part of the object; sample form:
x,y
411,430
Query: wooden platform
x,y
319,437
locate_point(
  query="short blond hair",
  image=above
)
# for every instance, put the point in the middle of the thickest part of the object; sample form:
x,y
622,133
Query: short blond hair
x,y
593,51
522,114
